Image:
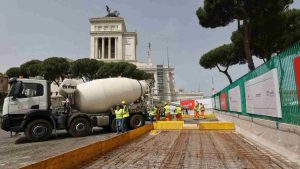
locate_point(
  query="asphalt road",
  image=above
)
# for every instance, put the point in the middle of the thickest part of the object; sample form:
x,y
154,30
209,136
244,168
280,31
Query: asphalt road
x,y
16,151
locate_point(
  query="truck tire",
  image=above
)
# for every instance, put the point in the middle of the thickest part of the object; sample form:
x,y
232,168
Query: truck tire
x,y
80,127
38,130
113,127
137,121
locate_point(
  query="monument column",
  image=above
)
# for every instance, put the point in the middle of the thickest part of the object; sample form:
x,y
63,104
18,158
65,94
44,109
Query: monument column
x,y
116,51
96,48
109,48
102,48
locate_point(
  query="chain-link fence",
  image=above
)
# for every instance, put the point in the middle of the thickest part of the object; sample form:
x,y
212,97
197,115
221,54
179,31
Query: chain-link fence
x,y
286,65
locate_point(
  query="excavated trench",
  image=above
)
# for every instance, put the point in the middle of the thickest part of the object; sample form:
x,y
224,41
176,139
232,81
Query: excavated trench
x,y
189,149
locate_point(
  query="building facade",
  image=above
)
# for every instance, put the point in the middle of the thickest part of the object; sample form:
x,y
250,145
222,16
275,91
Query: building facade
x,y
3,84
110,41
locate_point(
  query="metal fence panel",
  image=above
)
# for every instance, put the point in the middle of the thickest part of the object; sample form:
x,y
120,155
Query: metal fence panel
x,y
284,62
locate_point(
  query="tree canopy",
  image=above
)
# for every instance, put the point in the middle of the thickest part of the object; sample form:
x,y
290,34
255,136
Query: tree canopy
x,y
123,69
31,68
86,67
13,72
252,13
225,56
55,69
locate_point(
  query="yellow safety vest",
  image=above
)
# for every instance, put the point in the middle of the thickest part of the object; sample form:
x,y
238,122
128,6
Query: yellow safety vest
x,y
153,112
167,109
196,108
119,114
178,110
125,111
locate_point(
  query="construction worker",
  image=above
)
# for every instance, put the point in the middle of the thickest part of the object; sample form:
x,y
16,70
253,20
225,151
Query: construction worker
x,y
196,111
202,109
162,111
178,112
167,109
125,116
119,119
153,113
158,112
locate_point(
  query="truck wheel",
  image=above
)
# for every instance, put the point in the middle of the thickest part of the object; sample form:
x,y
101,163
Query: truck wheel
x,y
80,127
137,121
113,125
38,130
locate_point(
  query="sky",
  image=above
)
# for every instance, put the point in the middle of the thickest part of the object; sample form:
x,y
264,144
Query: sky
x,y
35,29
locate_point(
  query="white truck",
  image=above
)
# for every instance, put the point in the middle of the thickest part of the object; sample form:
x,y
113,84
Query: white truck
x,y
27,108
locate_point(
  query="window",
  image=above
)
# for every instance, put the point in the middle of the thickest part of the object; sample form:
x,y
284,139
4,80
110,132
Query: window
x,y
105,28
32,90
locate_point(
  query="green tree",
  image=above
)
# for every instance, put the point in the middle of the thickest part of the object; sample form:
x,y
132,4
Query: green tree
x,y
31,68
55,69
291,32
13,72
123,69
223,56
86,67
250,12
272,35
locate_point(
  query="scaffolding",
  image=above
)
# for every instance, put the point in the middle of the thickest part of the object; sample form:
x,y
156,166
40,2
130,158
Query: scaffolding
x,y
161,82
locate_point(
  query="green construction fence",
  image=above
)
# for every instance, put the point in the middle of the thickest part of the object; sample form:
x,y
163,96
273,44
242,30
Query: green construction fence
x,y
288,89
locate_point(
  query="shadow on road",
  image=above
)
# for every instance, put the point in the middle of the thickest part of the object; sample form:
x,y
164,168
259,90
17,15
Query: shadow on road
x,y
62,134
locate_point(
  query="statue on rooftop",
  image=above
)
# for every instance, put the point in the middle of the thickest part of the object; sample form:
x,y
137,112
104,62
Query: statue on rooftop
x,y
111,13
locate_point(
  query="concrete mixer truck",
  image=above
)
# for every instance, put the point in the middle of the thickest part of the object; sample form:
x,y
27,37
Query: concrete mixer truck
x,y
28,109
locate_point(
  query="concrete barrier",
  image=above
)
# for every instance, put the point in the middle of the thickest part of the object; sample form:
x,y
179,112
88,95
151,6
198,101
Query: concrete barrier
x,y
216,125
186,116
168,125
77,157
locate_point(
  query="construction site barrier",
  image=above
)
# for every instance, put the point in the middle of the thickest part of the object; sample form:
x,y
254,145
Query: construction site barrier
x,y
286,64
216,125
168,125
77,157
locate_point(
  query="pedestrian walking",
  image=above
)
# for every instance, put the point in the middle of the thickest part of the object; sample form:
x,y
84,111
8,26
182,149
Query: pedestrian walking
x,y
125,116
119,119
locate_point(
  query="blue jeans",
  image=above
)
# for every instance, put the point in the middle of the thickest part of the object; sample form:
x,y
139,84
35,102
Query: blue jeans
x,y
151,118
119,125
125,123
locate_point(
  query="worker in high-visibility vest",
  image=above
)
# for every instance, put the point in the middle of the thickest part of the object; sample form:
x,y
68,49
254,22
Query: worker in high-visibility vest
x,y
202,109
158,112
125,116
196,110
153,113
167,109
119,119
178,112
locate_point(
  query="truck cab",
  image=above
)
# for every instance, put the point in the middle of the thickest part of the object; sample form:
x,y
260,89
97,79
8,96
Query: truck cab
x,y
27,100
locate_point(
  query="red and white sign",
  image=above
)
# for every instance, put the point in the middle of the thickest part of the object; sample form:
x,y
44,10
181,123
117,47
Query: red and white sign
x,y
297,75
224,105
188,103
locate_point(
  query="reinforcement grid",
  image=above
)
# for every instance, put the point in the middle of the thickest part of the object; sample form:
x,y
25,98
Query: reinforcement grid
x,y
189,149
